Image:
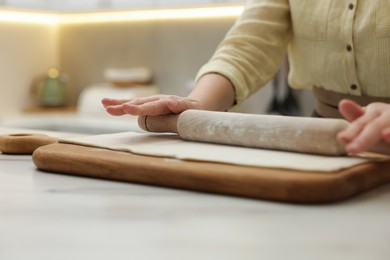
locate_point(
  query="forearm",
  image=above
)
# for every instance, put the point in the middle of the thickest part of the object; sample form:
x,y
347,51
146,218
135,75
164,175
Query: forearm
x,y
252,51
214,92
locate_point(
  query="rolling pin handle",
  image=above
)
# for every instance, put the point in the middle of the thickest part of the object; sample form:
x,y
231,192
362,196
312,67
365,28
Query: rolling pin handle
x,y
159,124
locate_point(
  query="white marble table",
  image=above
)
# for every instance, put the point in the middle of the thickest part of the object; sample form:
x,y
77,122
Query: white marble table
x,y
50,216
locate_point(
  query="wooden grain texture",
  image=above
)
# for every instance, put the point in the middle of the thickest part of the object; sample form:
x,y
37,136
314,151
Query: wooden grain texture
x,y
252,182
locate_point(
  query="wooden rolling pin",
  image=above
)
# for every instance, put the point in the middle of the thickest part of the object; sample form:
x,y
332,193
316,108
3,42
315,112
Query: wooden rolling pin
x,y
298,134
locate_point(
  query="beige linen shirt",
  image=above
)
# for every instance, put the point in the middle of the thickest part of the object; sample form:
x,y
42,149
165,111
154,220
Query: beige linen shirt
x,y
338,45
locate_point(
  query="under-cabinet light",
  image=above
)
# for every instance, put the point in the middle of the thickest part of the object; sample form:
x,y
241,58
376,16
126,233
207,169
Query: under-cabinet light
x,y
28,17
120,16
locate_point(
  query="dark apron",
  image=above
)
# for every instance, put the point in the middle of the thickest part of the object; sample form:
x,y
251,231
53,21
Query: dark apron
x,y
327,102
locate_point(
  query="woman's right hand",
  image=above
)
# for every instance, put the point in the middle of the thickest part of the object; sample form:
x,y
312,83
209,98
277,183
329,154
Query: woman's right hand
x,y
150,106
212,92
368,126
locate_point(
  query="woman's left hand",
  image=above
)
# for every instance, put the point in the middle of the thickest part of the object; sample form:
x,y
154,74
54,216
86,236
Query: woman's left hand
x,y
368,125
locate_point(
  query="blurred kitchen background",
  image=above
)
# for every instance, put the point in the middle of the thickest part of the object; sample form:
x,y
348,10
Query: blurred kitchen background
x,y
59,58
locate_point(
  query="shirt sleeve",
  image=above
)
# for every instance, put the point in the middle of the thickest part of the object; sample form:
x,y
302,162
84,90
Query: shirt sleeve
x,y
253,49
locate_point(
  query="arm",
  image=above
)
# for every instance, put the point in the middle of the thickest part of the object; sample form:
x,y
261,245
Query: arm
x,y
246,59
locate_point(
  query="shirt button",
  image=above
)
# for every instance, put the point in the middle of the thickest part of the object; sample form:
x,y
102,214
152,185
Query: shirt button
x,y
349,47
351,6
354,87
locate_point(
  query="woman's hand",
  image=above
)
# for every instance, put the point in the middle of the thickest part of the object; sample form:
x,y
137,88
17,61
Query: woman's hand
x,y
212,92
150,106
368,125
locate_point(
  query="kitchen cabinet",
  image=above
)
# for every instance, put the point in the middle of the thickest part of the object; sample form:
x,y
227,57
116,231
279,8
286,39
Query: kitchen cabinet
x,y
26,4
94,5
125,4
61,6
172,3
74,5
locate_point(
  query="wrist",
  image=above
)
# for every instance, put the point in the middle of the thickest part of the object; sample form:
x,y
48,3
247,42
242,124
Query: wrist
x,y
214,92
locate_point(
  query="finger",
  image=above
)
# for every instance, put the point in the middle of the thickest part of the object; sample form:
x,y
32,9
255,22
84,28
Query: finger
x,y
113,102
355,127
144,100
115,110
349,134
159,105
134,110
153,108
118,107
350,110
135,101
370,135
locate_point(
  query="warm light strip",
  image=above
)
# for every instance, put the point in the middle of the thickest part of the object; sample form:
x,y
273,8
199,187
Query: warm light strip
x,y
28,17
120,16
156,14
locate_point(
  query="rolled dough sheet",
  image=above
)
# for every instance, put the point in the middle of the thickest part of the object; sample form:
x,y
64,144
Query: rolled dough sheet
x,y
170,145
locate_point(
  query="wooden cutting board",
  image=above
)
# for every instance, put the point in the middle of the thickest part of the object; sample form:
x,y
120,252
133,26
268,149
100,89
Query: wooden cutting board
x,y
252,182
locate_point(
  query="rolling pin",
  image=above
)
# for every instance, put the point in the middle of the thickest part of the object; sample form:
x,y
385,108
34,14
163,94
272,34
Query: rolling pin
x,y
296,134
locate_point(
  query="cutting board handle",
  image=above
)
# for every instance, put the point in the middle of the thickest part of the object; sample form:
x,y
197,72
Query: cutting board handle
x,y
24,143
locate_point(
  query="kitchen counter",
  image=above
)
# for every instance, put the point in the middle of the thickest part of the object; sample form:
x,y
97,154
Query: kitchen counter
x,y
52,216
72,123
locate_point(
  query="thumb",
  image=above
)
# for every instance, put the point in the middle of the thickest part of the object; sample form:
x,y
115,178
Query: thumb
x,y
350,109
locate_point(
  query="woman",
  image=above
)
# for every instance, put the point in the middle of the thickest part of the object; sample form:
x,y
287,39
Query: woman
x,y
340,49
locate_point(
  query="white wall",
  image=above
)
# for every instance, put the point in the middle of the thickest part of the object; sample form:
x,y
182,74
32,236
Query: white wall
x,y
25,51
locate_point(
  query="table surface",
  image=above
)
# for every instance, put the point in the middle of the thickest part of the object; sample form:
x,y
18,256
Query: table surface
x,y
52,216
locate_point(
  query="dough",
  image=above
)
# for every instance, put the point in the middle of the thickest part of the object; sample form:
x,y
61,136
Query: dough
x,y
170,145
